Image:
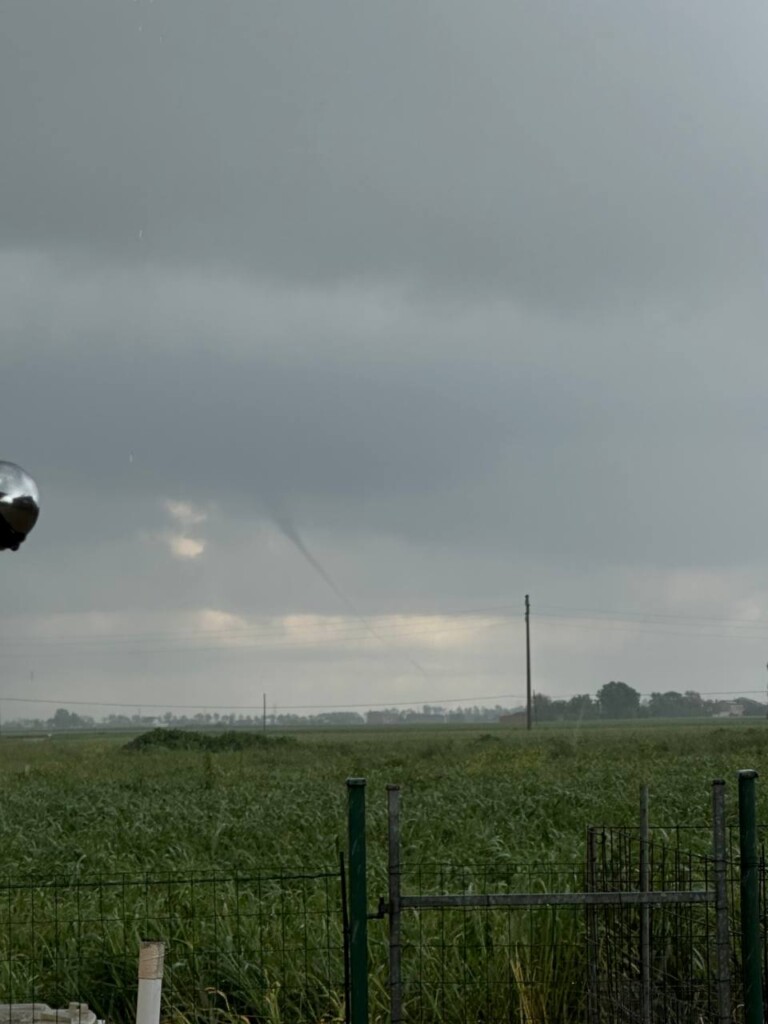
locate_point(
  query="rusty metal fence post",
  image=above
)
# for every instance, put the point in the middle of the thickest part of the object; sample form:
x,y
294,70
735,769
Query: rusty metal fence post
x,y
593,945
645,910
722,924
395,945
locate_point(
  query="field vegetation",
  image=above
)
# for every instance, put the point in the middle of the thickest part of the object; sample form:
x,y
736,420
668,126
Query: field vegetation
x,y
90,804
78,812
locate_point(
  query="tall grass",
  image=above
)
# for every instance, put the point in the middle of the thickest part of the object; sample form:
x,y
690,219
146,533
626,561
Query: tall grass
x,y
74,810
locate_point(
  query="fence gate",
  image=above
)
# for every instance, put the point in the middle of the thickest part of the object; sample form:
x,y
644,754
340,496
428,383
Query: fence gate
x,y
667,959
639,934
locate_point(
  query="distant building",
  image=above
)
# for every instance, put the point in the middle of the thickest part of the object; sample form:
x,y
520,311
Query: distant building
x,y
516,719
382,717
729,709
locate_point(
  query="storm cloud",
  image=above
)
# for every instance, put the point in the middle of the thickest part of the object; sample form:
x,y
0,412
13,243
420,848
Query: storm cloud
x,y
475,294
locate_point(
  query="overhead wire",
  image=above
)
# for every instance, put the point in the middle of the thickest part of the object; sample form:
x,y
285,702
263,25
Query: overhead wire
x,y
344,623
240,641
342,632
424,702
346,633
347,626
470,700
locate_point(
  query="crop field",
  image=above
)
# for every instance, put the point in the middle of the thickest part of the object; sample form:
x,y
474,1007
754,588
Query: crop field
x,y
84,804
77,809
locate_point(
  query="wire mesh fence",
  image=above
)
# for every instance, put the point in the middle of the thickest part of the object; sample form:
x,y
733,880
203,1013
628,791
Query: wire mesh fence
x,y
266,946
645,929
562,961
658,962
494,963
270,946
763,890
639,932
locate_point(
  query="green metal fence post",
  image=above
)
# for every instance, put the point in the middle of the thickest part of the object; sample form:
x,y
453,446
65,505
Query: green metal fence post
x,y
358,902
751,957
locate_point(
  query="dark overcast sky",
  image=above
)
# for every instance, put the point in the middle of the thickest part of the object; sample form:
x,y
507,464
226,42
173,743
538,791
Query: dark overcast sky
x,y
470,299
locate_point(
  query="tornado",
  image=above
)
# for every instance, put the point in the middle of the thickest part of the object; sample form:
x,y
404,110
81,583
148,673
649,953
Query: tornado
x,y
280,517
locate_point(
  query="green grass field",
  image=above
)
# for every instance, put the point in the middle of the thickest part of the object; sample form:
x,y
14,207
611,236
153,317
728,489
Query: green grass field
x,y
78,807
84,804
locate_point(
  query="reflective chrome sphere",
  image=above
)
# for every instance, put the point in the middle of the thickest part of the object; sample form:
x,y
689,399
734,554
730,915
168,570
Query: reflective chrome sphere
x,y
19,505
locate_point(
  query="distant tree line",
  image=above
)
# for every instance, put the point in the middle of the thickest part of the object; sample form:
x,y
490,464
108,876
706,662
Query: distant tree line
x,y
617,700
614,700
63,719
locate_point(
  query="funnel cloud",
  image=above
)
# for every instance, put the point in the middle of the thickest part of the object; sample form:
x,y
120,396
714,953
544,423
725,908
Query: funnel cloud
x,y
477,290
282,520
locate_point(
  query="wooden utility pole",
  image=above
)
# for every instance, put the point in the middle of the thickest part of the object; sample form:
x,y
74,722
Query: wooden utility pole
x,y
528,701
264,714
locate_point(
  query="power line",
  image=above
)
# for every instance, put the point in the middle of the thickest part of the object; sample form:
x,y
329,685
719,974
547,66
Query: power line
x,y
24,648
649,617
343,623
343,629
253,707
470,700
617,625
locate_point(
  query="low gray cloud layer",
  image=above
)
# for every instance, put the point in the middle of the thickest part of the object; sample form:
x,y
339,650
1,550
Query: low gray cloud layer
x,y
476,294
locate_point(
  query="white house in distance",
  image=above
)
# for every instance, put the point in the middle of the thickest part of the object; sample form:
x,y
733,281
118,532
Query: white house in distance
x,y
729,709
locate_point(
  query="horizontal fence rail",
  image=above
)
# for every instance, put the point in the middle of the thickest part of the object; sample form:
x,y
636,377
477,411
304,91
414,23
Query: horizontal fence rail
x,y
555,899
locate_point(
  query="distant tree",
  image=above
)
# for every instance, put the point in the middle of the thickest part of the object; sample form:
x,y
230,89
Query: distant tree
x,y
666,705
542,708
547,709
64,719
581,706
617,700
61,718
697,704
117,720
676,705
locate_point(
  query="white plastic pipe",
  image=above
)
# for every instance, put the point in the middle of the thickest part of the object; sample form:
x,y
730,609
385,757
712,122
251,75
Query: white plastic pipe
x,y
151,960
